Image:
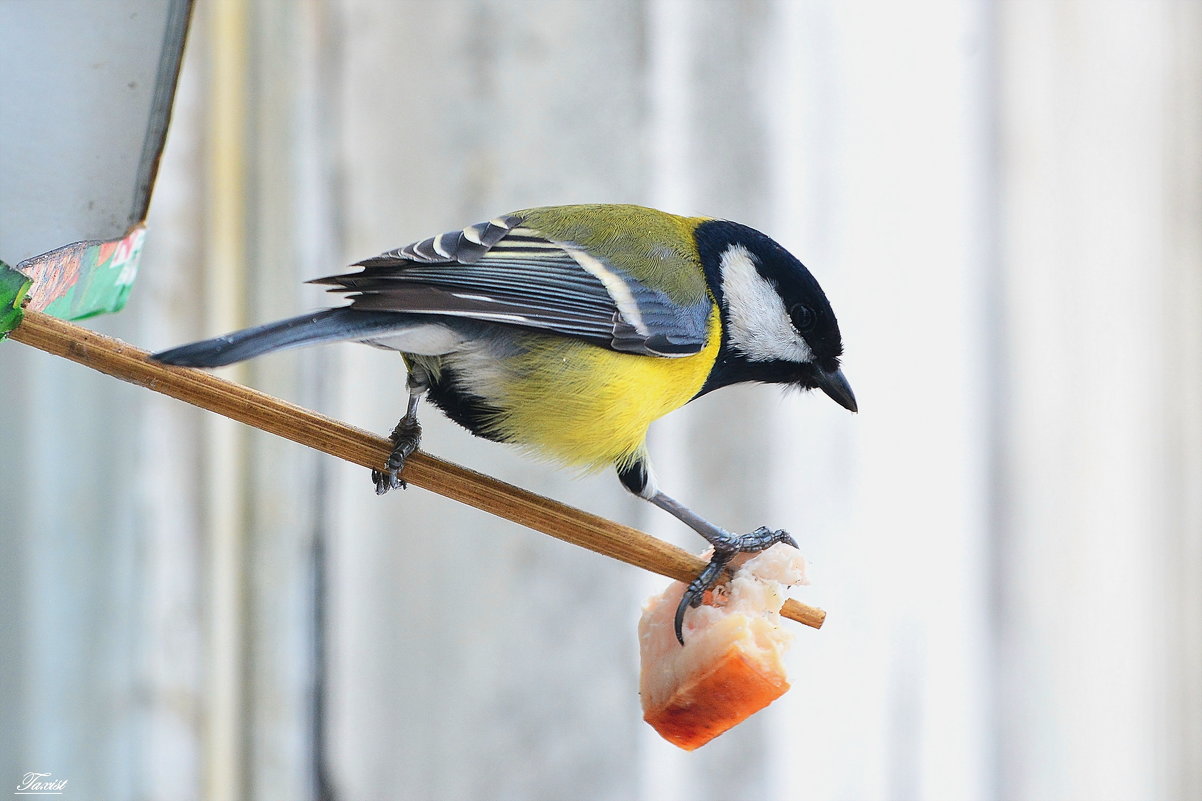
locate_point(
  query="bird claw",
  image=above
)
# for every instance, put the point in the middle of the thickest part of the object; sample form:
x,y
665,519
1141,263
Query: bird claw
x,y
387,480
695,592
405,438
725,550
762,539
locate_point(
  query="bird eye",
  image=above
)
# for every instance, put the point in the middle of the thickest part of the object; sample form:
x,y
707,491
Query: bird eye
x,y
803,317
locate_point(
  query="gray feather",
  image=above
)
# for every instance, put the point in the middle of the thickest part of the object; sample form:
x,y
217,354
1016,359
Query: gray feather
x,y
331,325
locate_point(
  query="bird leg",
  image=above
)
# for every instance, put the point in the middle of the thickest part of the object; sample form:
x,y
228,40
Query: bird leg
x,y
405,438
726,545
638,478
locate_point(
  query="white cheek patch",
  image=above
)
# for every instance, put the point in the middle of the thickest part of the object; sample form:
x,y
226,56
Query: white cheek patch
x,y
758,323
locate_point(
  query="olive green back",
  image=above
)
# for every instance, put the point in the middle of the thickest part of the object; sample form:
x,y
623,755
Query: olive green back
x,y
653,247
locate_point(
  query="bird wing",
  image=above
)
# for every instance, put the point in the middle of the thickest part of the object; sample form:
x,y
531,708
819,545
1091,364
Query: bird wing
x,y
500,271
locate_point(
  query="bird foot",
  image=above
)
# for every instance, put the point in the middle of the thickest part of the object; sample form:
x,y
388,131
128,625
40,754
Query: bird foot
x,y
405,438
725,550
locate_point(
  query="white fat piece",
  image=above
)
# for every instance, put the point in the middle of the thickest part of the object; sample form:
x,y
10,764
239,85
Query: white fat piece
x,y
758,324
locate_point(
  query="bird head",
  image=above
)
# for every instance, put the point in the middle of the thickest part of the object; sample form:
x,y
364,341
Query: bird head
x,y
777,324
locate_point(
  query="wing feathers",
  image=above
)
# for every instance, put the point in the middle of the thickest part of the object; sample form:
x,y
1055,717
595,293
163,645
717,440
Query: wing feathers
x,y
464,246
502,272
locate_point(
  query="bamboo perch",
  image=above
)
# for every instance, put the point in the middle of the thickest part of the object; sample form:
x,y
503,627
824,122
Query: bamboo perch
x,y
254,408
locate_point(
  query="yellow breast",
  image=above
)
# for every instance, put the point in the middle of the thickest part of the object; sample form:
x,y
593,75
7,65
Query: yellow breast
x,y
588,406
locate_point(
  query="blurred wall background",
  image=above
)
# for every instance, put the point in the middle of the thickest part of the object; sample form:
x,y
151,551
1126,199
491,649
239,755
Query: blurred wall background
x,y
1002,200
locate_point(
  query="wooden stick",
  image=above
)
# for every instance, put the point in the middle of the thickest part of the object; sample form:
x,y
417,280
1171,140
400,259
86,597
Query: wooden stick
x,y
114,357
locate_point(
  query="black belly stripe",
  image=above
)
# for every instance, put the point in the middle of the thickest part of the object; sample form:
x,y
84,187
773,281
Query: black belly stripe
x,y
470,411
634,477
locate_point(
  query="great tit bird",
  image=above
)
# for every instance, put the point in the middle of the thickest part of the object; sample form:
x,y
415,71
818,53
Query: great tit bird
x,y
567,330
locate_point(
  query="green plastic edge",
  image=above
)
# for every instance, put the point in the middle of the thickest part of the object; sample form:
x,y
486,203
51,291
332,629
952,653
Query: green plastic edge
x,y
14,286
103,286
74,282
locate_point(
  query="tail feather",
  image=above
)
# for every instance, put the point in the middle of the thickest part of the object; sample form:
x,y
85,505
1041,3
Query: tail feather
x,y
330,325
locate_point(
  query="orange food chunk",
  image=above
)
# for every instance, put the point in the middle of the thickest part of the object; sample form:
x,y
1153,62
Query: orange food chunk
x,y
730,666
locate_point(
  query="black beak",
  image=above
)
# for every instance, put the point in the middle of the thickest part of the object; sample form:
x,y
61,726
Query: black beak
x,y
835,385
